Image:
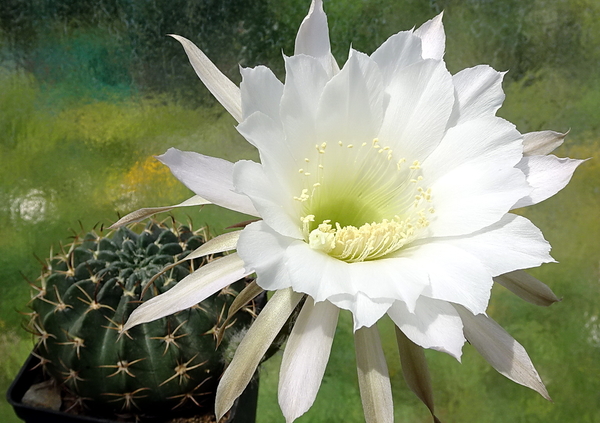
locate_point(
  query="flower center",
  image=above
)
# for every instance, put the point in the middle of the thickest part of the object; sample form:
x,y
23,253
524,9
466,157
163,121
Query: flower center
x,y
361,203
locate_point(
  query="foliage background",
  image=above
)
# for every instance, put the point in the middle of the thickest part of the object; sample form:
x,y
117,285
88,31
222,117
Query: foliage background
x,y
91,89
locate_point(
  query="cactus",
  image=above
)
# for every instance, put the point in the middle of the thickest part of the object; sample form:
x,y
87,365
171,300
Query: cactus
x,y
86,294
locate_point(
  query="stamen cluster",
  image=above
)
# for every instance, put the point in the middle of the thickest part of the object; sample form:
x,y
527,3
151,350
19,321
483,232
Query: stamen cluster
x,y
360,203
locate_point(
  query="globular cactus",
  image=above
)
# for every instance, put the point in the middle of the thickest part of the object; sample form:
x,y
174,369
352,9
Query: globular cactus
x,y
86,294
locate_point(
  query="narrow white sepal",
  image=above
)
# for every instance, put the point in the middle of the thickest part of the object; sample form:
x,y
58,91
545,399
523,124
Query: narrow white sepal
x,y
209,177
542,142
415,370
252,348
142,214
225,91
313,38
433,38
373,376
527,287
219,244
191,290
501,350
305,357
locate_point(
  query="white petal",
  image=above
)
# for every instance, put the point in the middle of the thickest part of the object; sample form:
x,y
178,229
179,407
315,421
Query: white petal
x,y
209,177
280,262
325,276
467,194
512,243
313,37
542,142
305,80
305,357
455,275
253,347
142,214
219,244
415,370
191,290
264,250
396,53
275,155
500,349
546,175
351,107
421,100
434,324
528,288
471,197
365,311
274,203
434,38
399,278
261,91
225,91
478,92
489,140
373,377
367,289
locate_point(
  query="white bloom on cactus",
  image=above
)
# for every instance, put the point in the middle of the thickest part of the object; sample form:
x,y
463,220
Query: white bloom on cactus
x,y
384,187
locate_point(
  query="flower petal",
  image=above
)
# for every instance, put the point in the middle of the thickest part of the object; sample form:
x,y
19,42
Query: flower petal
x,y
373,376
261,91
366,311
191,290
500,349
415,370
219,244
527,287
489,140
251,291
434,38
280,262
252,348
305,80
274,203
275,155
465,204
434,324
305,357
510,244
478,93
399,278
264,250
455,275
421,100
142,214
313,38
209,177
542,142
351,106
225,91
546,175
396,53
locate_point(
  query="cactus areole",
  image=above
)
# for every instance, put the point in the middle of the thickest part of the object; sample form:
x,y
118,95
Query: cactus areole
x,y
86,294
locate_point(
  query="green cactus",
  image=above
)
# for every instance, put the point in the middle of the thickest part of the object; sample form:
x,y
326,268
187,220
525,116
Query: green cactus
x,y
86,295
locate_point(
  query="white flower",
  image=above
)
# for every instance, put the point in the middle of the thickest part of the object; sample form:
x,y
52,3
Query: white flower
x,y
383,188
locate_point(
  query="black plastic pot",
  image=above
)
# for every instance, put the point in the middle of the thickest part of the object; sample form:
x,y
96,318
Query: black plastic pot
x,y
243,411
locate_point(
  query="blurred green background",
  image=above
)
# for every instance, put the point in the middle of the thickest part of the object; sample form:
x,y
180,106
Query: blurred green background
x,y
90,90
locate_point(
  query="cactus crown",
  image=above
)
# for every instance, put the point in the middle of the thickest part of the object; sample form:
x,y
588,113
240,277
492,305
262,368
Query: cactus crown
x,y
86,294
